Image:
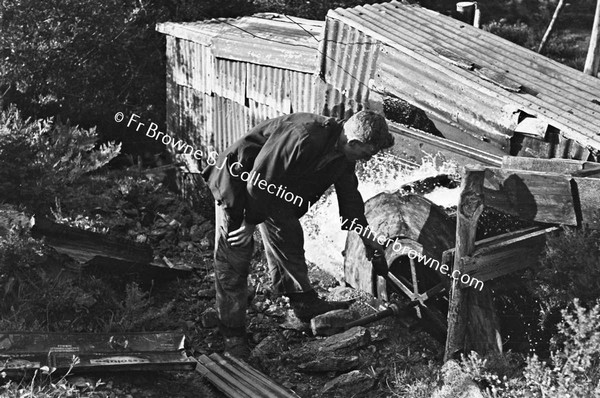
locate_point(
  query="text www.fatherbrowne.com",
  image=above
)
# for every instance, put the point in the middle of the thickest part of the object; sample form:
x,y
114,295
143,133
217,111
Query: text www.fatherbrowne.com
x,y
398,247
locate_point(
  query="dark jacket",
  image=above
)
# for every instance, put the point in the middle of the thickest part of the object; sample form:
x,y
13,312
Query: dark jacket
x,y
296,152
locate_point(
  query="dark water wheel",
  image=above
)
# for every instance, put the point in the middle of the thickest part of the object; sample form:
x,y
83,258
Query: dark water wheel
x,y
424,232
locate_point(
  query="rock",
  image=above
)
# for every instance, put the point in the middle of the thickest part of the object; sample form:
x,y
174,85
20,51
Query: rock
x,y
457,384
293,323
206,293
349,384
199,231
81,382
331,322
380,332
341,293
340,344
352,339
206,243
331,363
10,217
209,318
271,346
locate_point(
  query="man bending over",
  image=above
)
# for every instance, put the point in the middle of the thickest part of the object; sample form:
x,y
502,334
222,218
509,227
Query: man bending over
x,y
269,178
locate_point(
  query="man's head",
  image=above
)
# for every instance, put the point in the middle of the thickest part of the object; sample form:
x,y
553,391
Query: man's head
x,y
365,134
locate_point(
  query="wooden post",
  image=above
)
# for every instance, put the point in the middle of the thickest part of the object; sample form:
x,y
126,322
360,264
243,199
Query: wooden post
x,y
593,55
472,321
559,6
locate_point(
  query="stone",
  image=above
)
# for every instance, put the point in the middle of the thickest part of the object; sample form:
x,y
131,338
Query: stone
x,y
457,383
349,384
292,322
338,344
351,339
331,363
331,322
271,346
206,293
209,318
341,293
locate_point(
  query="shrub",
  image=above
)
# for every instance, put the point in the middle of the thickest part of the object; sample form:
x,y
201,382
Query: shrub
x,y
575,369
518,32
570,268
39,159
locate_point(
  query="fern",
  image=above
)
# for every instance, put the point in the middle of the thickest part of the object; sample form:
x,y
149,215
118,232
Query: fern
x,y
38,158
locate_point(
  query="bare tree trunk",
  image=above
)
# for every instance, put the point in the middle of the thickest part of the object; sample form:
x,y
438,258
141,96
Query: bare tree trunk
x,y
559,7
593,55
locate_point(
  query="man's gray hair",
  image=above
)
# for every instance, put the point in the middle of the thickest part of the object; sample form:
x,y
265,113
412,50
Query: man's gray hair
x,y
370,128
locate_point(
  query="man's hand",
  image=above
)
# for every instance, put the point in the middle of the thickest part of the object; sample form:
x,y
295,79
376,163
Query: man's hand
x,y
241,236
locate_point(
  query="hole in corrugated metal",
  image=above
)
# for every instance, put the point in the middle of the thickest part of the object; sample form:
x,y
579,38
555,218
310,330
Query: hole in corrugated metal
x,y
400,111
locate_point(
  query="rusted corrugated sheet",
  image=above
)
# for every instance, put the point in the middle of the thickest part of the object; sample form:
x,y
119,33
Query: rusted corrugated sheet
x,y
229,122
230,80
95,351
257,112
226,75
265,39
269,86
472,78
189,117
348,59
305,90
191,64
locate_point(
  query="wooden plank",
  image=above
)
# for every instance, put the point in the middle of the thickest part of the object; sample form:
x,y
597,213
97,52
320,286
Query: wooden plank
x,y
509,255
472,321
498,78
535,196
454,59
588,194
561,166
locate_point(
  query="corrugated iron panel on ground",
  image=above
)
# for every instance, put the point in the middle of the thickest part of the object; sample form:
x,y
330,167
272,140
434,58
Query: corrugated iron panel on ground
x,y
270,86
554,92
348,59
265,39
229,122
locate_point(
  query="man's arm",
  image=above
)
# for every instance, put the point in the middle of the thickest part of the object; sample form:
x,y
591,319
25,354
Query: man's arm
x,y
352,208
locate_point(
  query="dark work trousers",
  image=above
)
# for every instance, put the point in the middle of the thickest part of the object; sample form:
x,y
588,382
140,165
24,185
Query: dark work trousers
x,y
284,246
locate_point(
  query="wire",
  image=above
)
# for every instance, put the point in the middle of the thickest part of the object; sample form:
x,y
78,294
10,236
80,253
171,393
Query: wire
x,y
358,80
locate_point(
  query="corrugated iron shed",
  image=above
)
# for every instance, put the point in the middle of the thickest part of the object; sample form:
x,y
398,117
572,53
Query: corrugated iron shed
x,y
481,86
224,76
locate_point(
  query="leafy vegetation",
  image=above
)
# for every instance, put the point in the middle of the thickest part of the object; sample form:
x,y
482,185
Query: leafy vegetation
x,y
39,159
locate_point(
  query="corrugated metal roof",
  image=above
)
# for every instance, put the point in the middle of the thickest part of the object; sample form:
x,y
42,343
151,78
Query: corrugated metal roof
x,y
264,39
468,76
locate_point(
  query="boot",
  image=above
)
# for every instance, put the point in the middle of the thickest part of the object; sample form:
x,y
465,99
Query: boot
x,y
237,346
235,342
308,305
